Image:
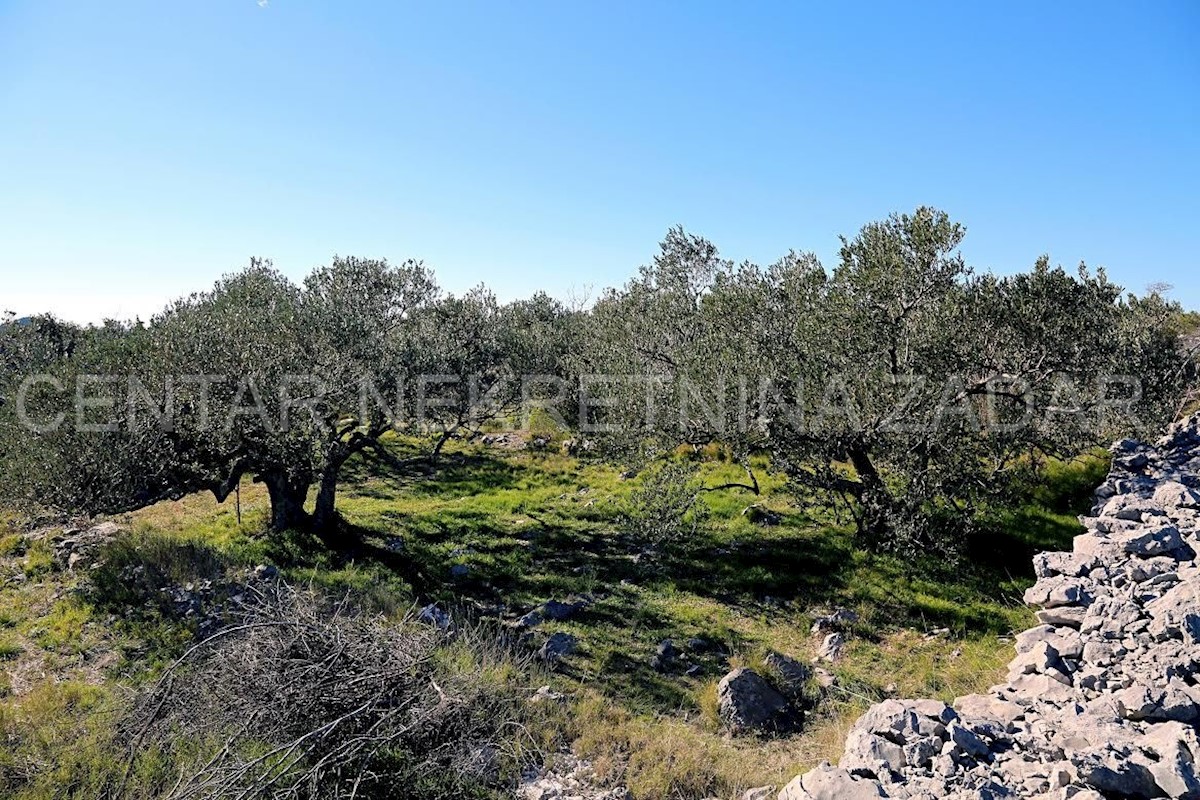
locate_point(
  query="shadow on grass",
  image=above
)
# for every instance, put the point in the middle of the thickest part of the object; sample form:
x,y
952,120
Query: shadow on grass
x,y
1041,515
134,569
638,686
806,566
455,475
1008,540
516,557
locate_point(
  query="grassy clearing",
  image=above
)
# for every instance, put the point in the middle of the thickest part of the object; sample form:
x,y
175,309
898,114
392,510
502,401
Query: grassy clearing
x,y
529,527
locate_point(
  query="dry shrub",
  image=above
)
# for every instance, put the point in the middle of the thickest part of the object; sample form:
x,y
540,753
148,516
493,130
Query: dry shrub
x,y
302,697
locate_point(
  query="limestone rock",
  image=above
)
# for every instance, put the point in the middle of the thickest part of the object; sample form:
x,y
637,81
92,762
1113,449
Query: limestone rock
x,y
830,783
748,704
831,647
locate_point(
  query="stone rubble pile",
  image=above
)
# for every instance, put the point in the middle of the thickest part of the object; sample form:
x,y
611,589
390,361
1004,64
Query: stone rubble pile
x,y
1102,699
567,778
80,548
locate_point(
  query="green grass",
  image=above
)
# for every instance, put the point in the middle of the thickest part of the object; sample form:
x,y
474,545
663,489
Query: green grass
x,y
533,527
58,743
63,628
530,527
9,649
13,544
39,559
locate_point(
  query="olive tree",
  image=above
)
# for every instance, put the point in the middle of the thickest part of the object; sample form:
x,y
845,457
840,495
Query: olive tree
x,y
256,376
31,405
932,382
367,318
192,401
661,368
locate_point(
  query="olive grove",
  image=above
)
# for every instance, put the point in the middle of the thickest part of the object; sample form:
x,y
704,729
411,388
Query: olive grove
x,y
900,382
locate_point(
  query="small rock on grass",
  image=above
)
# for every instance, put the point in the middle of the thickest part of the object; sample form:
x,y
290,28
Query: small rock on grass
x,y
557,647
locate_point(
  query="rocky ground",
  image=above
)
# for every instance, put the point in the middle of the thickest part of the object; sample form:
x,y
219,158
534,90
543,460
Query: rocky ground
x,y
1102,699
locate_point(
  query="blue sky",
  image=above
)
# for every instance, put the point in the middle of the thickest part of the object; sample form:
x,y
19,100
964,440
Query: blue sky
x,y
148,147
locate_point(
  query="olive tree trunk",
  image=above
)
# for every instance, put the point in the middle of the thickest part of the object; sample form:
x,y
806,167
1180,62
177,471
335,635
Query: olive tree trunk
x,y
287,502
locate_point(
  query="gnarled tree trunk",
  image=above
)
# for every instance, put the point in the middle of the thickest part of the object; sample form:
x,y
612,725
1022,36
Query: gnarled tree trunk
x,y
873,496
287,501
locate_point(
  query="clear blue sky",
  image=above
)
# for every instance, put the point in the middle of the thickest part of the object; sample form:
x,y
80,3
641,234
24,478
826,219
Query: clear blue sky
x,y
147,147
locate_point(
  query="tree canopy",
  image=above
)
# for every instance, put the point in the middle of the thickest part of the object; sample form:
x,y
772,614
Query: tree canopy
x,y
901,382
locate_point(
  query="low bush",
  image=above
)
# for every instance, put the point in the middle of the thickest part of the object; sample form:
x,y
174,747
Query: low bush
x,y
39,559
664,510
134,568
13,544
302,697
